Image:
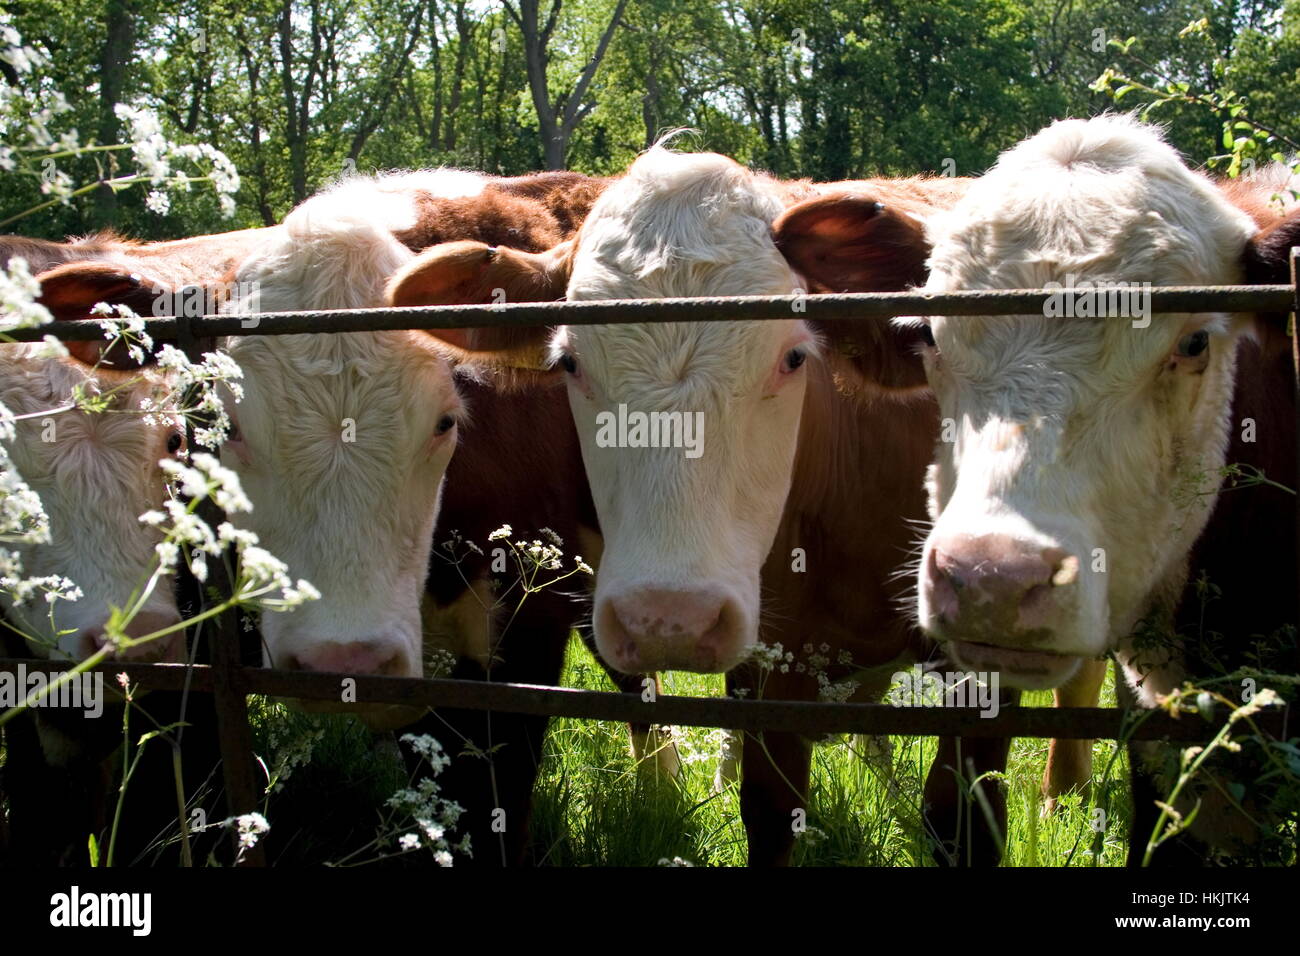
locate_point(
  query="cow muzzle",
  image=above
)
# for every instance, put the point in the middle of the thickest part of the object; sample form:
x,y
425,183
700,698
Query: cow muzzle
x,y
654,629
1003,604
371,657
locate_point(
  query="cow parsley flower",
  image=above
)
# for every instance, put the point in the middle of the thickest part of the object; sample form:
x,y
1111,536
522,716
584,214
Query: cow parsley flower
x,y
433,815
250,828
19,291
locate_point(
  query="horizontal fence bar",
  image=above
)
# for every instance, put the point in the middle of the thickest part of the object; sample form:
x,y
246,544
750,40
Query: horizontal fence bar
x,y
862,305
806,717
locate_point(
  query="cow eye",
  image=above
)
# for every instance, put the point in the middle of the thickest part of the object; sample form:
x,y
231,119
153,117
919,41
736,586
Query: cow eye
x,y
793,359
568,363
175,442
445,424
1190,346
927,335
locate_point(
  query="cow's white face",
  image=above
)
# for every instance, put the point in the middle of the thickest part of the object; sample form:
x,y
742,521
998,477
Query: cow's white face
x,y
95,475
341,445
1080,455
342,441
687,527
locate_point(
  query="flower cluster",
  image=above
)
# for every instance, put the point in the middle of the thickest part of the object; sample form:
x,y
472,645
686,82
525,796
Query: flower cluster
x,y
774,657
261,574
30,143
199,383
19,291
154,156
434,816
128,327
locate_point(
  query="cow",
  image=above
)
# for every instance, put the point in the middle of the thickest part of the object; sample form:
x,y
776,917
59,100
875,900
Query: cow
x,y
96,473
1262,381
357,518
816,439
1087,453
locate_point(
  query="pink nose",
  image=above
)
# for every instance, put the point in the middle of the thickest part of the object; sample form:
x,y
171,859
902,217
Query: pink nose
x,y
668,629
992,586
168,649
377,657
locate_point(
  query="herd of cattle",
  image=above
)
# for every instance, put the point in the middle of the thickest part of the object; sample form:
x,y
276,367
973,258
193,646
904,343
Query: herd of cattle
x,y
1009,494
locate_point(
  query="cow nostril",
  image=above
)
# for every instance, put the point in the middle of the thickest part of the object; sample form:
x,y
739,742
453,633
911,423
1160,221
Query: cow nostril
x,y
1065,571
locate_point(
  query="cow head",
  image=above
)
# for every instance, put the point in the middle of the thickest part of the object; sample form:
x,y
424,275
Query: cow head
x,y
341,443
688,430
95,473
1080,455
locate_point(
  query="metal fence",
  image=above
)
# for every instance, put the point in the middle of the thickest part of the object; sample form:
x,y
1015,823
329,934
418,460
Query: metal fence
x,y
230,682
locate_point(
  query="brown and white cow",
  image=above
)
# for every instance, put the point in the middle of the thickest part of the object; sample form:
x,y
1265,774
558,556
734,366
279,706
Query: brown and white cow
x,y
356,517
342,440
1263,411
96,474
815,437
1057,506
1087,453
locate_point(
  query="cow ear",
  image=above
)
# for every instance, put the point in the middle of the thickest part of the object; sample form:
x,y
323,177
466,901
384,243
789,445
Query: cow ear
x,y
1267,261
71,290
472,273
850,242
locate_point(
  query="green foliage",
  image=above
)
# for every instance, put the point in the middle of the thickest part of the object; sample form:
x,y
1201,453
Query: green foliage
x,y
297,92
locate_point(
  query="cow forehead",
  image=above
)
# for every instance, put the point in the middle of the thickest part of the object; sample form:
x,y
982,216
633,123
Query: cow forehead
x,y
681,224
393,379
30,380
703,362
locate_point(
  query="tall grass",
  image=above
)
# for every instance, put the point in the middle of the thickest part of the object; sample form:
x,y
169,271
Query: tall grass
x,y
593,808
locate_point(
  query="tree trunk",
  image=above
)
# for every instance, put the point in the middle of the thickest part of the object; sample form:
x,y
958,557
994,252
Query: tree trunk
x,y
119,39
556,121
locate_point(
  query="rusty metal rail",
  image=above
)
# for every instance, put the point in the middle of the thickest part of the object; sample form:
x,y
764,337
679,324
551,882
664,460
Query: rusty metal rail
x,y
805,717
822,308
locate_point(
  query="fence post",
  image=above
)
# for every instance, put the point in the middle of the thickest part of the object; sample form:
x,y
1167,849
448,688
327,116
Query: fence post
x,y
229,697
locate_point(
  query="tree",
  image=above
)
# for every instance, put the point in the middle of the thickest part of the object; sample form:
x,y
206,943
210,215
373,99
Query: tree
x,y
556,118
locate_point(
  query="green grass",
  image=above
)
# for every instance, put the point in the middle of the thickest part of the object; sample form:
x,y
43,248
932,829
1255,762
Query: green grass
x,y
593,808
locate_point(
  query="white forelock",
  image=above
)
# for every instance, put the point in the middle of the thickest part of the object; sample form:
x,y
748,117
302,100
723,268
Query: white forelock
x,y
680,224
1107,198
